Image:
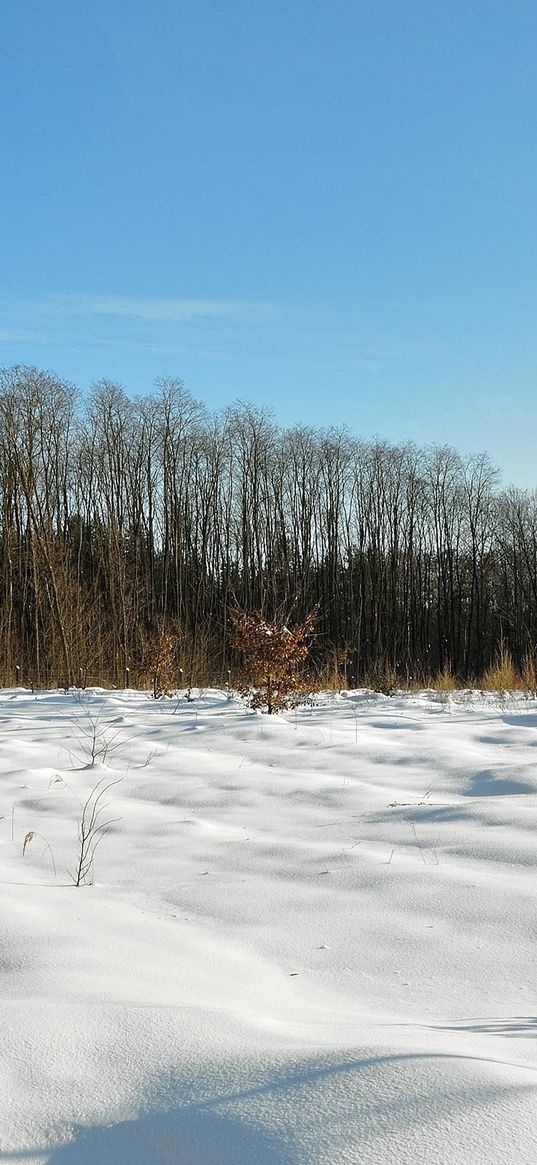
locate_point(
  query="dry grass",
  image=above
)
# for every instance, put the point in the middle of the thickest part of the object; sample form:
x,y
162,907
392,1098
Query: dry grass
x,y
502,675
332,676
529,675
444,681
383,679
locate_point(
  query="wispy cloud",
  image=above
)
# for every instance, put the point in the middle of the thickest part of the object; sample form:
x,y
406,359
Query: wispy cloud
x,y
248,333
210,329
155,310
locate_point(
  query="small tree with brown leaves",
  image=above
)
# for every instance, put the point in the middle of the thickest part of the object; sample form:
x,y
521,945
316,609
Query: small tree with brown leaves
x,y
160,652
271,654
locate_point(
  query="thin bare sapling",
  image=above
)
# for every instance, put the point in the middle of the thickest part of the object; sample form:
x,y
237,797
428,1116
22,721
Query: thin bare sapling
x,y
93,826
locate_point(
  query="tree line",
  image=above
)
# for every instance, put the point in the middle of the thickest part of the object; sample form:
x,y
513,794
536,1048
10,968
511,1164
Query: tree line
x,y
122,519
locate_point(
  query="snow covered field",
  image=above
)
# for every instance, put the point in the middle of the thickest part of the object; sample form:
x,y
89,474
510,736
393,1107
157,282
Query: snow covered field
x,y
310,938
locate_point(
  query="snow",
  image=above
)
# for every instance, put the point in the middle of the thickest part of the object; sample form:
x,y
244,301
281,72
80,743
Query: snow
x,y
310,939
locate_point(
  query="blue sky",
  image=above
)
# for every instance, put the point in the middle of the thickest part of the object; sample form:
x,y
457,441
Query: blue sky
x,y
327,208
